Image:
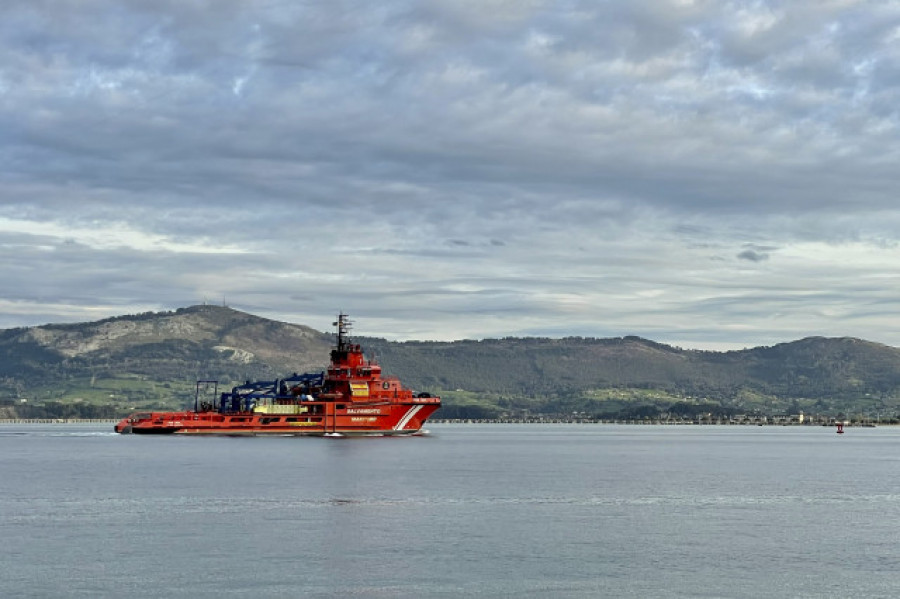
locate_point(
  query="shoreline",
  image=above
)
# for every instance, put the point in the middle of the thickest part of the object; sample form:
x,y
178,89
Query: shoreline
x,y
656,422
4,421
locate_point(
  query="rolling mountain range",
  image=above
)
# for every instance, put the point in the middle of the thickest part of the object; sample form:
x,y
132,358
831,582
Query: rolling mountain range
x,y
152,360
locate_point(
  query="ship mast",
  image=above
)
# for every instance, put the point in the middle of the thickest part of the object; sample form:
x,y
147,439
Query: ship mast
x,y
343,325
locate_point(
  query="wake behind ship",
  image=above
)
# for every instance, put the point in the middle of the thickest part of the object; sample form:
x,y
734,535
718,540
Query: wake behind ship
x,y
350,398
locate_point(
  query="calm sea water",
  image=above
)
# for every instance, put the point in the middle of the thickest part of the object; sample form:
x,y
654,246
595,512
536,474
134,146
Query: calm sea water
x,y
470,510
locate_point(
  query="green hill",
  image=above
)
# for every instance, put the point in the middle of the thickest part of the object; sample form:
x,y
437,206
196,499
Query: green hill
x,y
150,360
631,377
110,367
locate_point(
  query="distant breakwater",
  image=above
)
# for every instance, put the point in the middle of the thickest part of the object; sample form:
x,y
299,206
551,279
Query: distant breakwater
x,y
651,422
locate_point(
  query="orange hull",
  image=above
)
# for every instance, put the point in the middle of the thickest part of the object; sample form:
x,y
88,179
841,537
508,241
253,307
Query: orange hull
x,y
352,419
350,398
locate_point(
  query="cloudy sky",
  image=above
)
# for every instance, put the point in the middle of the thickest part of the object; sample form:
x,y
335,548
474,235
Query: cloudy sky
x,y
709,174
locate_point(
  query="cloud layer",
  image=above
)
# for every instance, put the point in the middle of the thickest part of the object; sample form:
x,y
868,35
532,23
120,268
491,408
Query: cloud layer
x,y
707,174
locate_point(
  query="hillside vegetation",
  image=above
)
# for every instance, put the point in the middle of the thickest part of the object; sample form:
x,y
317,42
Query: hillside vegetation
x,y
151,360
110,367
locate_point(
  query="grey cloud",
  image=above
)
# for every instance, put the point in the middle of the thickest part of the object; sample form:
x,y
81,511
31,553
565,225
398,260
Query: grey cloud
x,y
460,148
753,256
344,132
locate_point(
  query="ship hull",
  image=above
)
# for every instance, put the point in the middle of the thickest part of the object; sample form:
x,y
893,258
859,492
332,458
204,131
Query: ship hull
x,y
318,419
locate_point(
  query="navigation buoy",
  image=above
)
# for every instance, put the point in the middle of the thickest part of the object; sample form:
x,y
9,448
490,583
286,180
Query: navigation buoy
x,y
840,426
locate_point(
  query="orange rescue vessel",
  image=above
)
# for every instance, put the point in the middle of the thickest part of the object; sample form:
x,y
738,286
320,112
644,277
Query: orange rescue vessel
x,y
349,398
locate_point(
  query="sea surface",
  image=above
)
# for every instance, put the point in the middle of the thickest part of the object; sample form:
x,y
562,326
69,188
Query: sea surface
x,y
470,510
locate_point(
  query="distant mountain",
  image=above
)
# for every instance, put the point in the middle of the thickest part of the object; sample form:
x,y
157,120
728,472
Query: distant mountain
x,y
622,376
148,360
